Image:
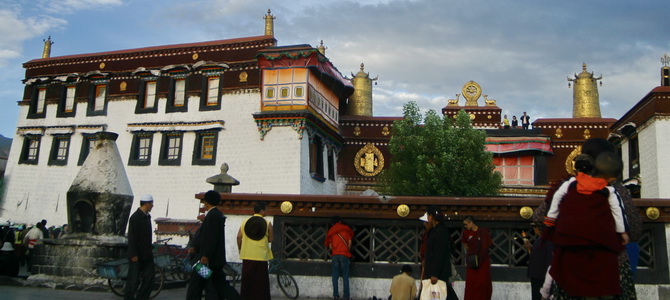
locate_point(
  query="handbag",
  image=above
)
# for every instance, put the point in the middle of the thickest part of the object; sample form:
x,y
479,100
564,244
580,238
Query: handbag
x,y
431,291
202,270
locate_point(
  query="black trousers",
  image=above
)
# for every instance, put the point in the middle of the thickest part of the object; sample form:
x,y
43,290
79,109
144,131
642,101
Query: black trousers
x,y
216,287
535,286
142,269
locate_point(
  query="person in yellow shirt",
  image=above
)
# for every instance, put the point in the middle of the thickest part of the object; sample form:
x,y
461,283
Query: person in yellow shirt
x,y
253,242
403,286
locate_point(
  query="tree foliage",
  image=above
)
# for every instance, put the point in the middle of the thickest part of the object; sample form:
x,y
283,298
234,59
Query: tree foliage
x,y
438,156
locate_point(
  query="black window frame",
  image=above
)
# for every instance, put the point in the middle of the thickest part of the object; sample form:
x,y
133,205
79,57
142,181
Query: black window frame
x,y
331,165
34,97
133,159
198,160
163,159
205,93
90,111
86,140
170,107
316,159
56,141
141,97
62,102
25,149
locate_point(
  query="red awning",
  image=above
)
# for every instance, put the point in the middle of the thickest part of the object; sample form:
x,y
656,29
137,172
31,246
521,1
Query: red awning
x,y
499,145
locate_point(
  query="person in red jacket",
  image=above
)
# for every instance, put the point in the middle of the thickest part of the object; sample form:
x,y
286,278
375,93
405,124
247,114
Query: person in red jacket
x,y
338,242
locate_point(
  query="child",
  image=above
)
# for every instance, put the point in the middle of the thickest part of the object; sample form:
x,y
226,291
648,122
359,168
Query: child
x,y
585,233
403,286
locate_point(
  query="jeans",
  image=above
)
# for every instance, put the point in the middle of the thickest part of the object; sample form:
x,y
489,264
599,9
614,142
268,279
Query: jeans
x,y
340,268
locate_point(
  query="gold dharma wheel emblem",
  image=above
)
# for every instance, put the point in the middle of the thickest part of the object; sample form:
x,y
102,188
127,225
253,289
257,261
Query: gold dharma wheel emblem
x,y
369,161
570,161
526,212
123,85
101,66
471,92
194,56
653,213
286,207
403,210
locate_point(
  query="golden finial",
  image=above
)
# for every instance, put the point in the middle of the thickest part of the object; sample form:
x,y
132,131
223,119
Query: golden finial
x,y
46,53
360,102
269,24
322,48
585,97
665,71
665,60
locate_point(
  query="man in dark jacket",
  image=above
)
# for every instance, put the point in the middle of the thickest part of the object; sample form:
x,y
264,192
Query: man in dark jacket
x,y
210,249
140,252
438,251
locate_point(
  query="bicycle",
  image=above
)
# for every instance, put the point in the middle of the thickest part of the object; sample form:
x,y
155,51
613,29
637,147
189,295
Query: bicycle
x,y
116,272
178,267
285,280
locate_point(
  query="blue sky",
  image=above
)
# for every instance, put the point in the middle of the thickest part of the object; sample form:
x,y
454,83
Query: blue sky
x,y
519,51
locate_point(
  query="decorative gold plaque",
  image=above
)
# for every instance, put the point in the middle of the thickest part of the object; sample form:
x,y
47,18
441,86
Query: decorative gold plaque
x,y
472,116
123,85
286,207
526,212
489,117
403,210
653,213
243,76
587,134
194,56
559,133
357,131
102,66
385,131
369,161
570,161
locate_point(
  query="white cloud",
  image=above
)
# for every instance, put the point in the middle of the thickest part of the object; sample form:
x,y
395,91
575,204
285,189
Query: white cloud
x,y
72,6
16,29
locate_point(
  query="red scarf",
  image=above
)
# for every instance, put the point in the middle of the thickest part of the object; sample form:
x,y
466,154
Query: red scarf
x,y
587,185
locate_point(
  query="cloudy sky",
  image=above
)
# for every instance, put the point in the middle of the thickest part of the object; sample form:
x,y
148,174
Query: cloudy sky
x,y
519,51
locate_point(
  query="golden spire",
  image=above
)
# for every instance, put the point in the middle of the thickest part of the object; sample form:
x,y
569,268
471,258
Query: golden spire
x,y
585,97
46,53
322,48
665,71
360,102
269,24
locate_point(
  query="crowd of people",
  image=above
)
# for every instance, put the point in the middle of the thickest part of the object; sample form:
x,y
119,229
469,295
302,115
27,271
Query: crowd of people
x,y
17,242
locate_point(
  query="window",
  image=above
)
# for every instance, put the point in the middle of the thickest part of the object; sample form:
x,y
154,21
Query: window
x,y
87,143
299,91
97,105
179,92
212,91
331,165
149,94
171,149
204,151
41,99
31,149
210,98
633,157
284,92
516,170
316,159
59,150
270,93
69,98
176,101
140,153
100,92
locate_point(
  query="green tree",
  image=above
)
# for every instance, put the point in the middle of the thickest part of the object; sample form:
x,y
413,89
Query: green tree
x,y
438,156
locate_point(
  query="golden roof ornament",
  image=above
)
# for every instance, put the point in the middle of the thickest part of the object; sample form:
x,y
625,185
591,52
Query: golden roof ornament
x,y
322,48
471,92
585,97
665,71
46,53
360,102
269,24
